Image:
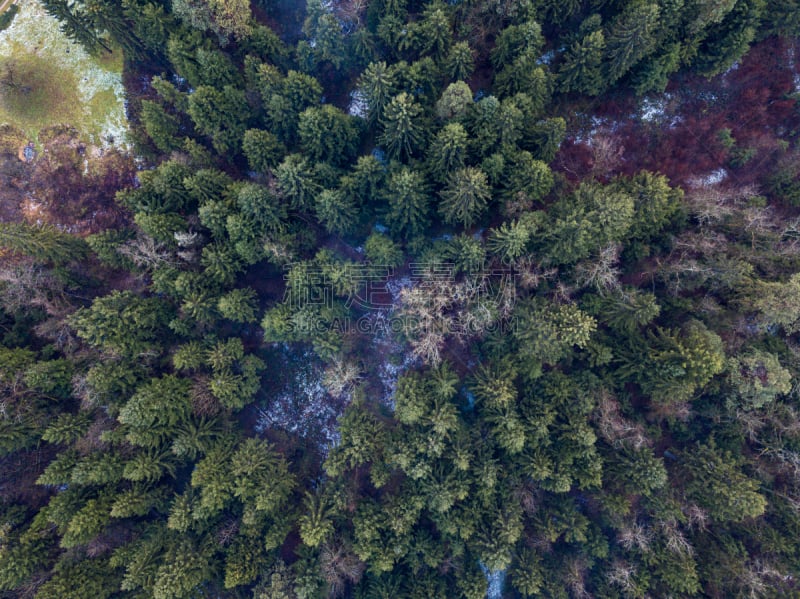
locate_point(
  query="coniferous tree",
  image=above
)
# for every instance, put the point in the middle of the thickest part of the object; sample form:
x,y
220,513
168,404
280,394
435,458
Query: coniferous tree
x,y
581,70
42,243
448,150
465,197
407,197
402,133
631,37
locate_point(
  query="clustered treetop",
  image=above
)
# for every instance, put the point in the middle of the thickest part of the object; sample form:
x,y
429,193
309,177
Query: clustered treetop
x,y
613,416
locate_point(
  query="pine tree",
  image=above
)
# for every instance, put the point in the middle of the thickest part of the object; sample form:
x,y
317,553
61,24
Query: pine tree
x,y
335,211
517,40
327,134
326,31
220,114
454,101
184,569
363,441
718,485
448,151
239,305
76,24
315,523
460,62
509,240
262,149
632,37
161,126
407,196
122,322
402,133
581,70
528,177
296,181
381,250
465,197
155,410
525,75
42,243
757,378
377,84
433,32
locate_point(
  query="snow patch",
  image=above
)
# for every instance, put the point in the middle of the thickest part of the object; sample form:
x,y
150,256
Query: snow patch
x,y
496,582
303,407
709,180
547,57
358,104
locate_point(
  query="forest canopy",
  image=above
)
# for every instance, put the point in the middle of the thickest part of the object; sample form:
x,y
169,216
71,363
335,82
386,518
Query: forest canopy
x,y
398,298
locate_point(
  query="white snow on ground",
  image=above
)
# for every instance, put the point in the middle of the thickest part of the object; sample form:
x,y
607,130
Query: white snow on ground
x,y
547,57
304,406
37,32
496,580
358,104
709,180
653,109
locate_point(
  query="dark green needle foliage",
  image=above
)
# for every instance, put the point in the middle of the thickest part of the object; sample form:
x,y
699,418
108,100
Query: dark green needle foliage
x,y
400,304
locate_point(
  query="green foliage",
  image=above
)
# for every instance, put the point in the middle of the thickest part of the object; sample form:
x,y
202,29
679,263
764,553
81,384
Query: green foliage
x,y
402,132
510,239
527,178
466,196
547,332
455,101
592,218
66,428
581,71
122,323
720,487
777,303
161,126
407,196
239,305
677,362
335,210
448,150
221,115
316,521
656,205
460,62
296,181
377,84
613,410
327,134
631,38
262,149
381,250
8,16
757,378
363,437
42,243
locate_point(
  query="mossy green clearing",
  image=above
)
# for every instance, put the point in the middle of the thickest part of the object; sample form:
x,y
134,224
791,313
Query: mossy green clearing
x,y
54,82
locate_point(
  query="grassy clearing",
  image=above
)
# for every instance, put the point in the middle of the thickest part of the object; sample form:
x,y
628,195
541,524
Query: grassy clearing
x,y
56,83
34,93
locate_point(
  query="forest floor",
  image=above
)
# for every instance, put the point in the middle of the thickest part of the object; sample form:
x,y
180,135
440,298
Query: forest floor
x,y
46,80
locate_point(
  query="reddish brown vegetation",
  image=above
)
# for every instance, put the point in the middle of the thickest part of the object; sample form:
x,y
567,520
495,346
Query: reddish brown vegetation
x,y
683,141
73,185
68,184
